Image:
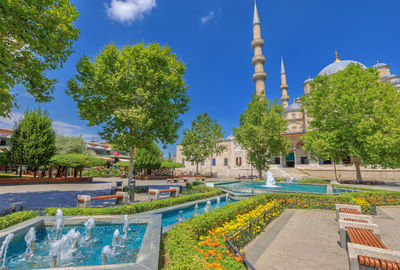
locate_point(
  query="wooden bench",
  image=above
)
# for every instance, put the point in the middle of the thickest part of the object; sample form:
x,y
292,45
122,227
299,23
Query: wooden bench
x,y
364,237
378,263
155,193
349,211
121,198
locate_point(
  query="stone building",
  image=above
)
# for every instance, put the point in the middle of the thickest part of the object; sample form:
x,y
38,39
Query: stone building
x,y
233,161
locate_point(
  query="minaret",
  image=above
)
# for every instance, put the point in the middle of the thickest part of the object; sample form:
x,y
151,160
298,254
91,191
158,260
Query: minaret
x,y
259,76
284,86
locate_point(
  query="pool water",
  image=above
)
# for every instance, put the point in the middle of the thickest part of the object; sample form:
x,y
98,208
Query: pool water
x,y
88,252
171,217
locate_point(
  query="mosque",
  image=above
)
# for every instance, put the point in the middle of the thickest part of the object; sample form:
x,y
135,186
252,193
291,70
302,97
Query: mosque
x,y
233,161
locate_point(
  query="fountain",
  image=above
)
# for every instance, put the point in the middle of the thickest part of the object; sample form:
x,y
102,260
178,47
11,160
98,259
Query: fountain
x,y
126,226
55,251
3,249
89,224
208,207
30,240
196,210
226,198
181,218
115,240
106,253
270,180
59,222
218,202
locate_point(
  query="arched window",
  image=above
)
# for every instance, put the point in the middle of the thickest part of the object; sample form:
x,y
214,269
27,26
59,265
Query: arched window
x,y
293,115
293,128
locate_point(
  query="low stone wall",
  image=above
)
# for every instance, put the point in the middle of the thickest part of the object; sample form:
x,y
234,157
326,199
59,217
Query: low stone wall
x,y
34,181
349,174
153,177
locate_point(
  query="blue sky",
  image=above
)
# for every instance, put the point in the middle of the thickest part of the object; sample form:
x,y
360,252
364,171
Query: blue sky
x,y
213,38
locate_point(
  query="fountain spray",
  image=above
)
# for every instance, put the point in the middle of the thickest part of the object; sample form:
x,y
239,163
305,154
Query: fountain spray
x,y
105,253
30,240
115,240
59,222
4,247
226,198
196,210
89,224
126,226
218,201
55,251
208,207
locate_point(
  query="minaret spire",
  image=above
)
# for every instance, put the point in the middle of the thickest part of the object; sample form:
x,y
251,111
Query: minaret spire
x,y
284,86
258,61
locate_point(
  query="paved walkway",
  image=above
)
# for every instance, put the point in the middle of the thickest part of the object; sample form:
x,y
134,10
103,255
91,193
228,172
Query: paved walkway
x,y
299,239
388,220
34,197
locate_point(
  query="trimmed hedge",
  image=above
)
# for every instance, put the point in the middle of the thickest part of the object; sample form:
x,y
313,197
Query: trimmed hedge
x,y
16,218
137,207
182,239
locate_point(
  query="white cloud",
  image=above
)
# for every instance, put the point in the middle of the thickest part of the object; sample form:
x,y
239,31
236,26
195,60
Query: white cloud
x,y
127,11
62,128
205,19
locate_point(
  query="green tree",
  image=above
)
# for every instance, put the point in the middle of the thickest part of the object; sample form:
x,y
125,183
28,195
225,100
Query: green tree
x,y
201,140
148,158
76,161
35,36
69,145
135,94
259,132
33,140
354,114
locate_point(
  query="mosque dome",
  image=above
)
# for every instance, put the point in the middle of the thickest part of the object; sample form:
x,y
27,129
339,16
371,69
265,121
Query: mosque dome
x,y
380,65
295,107
338,66
307,81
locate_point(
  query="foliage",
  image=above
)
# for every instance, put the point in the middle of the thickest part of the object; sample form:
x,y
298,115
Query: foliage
x,y
259,132
171,165
5,157
135,94
103,172
36,36
200,141
9,175
148,158
354,114
136,207
69,145
15,218
33,140
77,161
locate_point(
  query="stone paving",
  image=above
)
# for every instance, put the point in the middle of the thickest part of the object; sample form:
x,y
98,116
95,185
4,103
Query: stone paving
x,y
388,220
35,197
308,239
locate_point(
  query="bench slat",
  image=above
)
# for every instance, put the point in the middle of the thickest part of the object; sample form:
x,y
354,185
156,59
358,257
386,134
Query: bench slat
x,y
378,263
364,237
349,211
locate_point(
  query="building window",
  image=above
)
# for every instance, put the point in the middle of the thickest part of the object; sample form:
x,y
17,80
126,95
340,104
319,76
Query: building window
x,y
225,162
293,128
304,160
277,160
183,161
192,163
238,161
202,163
214,162
3,142
293,115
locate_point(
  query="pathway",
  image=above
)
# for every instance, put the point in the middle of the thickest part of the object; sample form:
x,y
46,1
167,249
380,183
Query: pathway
x,y
299,239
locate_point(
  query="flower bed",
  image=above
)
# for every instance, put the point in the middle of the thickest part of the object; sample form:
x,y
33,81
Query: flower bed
x,y
213,246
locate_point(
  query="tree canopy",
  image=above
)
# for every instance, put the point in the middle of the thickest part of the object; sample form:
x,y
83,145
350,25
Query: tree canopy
x,y
69,145
33,140
200,141
136,95
35,36
77,160
354,114
259,132
148,158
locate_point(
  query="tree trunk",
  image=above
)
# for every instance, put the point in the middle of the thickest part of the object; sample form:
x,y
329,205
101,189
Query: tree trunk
x,y
51,172
20,171
6,168
131,181
334,167
357,162
260,174
80,172
197,168
34,172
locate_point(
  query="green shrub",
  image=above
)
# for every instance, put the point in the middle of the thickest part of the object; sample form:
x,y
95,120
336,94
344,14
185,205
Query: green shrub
x,y
16,218
136,207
